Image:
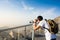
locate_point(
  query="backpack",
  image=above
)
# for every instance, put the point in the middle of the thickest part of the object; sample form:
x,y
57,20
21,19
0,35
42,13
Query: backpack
x,y
53,26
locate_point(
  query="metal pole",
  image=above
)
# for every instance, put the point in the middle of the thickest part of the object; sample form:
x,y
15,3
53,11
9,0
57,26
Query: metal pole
x,y
33,34
25,32
18,34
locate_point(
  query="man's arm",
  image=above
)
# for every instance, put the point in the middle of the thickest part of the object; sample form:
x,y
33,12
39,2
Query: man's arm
x,y
36,27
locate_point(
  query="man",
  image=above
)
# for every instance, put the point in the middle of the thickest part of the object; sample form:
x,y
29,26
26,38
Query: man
x,y
44,26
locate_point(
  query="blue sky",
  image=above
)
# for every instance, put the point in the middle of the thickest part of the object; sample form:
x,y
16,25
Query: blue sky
x,y
20,12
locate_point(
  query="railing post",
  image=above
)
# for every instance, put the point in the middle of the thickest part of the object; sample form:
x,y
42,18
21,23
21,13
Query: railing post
x,y
25,32
18,34
33,34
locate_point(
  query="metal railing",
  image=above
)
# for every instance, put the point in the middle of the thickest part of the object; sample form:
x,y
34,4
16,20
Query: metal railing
x,y
17,33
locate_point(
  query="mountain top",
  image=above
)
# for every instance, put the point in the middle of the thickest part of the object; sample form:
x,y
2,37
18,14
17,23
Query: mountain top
x,y
57,20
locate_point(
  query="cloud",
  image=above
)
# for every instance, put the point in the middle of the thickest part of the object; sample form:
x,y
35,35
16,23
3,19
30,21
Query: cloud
x,y
49,13
26,7
46,13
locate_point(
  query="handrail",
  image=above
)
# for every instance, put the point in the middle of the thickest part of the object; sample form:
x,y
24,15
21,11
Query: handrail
x,y
20,27
15,27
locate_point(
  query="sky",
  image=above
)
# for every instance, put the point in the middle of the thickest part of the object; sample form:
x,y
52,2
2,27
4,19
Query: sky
x,y
20,12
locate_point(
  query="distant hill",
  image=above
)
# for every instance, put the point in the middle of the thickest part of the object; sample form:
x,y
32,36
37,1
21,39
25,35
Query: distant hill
x,y
57,20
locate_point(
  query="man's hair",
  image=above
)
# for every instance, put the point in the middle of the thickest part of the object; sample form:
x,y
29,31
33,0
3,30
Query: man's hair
x,y
40,18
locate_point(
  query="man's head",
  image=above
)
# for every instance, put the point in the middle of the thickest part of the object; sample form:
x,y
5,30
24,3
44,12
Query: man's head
x,y
39,18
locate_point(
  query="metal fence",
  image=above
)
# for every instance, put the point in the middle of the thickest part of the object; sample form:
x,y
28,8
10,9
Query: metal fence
x,y
17,33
